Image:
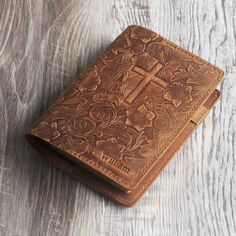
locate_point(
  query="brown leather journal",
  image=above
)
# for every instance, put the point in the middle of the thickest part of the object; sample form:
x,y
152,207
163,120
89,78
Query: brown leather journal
x,y
120,122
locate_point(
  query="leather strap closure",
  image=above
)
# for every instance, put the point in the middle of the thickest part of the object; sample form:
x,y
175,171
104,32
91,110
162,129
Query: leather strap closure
x,y
199,115
203,110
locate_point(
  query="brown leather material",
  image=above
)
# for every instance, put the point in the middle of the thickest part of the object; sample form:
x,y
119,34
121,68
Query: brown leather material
x,y
118,124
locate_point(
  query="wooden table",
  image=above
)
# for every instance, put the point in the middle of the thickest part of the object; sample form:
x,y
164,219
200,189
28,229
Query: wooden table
x,y
43,46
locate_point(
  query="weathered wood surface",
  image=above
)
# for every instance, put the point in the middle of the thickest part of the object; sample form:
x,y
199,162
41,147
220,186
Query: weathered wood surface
x,y
43,45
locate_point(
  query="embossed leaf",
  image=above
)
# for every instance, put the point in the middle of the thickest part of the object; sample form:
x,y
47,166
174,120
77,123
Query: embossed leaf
x,y
110,146
113,69
104,96
89,82
160,52
121,44
177,93
127,56
71,99
173,65
176,102
148,150
162,120
165,55
192,71
137,140
125,137
181,76
129,157
170,70
142,34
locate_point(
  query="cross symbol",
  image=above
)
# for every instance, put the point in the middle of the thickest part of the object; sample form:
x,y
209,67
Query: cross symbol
x,y
148,77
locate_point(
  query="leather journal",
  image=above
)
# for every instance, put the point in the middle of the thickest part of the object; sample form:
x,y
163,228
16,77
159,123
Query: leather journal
x,y
119,123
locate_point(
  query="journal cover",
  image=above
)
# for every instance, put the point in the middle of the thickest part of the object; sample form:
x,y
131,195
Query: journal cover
x,y
128,110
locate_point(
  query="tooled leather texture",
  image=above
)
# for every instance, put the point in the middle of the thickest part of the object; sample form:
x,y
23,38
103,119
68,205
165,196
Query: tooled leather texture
x,y
124,111
126,199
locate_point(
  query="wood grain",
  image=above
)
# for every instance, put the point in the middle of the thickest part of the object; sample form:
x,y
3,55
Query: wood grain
x,y
43,46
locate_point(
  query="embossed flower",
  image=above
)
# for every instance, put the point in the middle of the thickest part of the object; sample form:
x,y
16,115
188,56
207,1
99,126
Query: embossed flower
x,y
66,132
124,42
110,146
89,81
116,67
121,44
71,99
161,52
80,126
142,34
103,112
177,93
140,118
72,133
79,145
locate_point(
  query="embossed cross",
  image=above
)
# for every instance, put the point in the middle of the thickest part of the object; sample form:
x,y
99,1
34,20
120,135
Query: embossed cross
x,y
148,77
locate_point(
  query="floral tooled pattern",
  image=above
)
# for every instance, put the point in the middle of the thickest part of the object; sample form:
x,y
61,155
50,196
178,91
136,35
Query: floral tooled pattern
x,y
104,114
140,118
178,93
66,132
111,146
89,82
120,66
143,35
93,118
